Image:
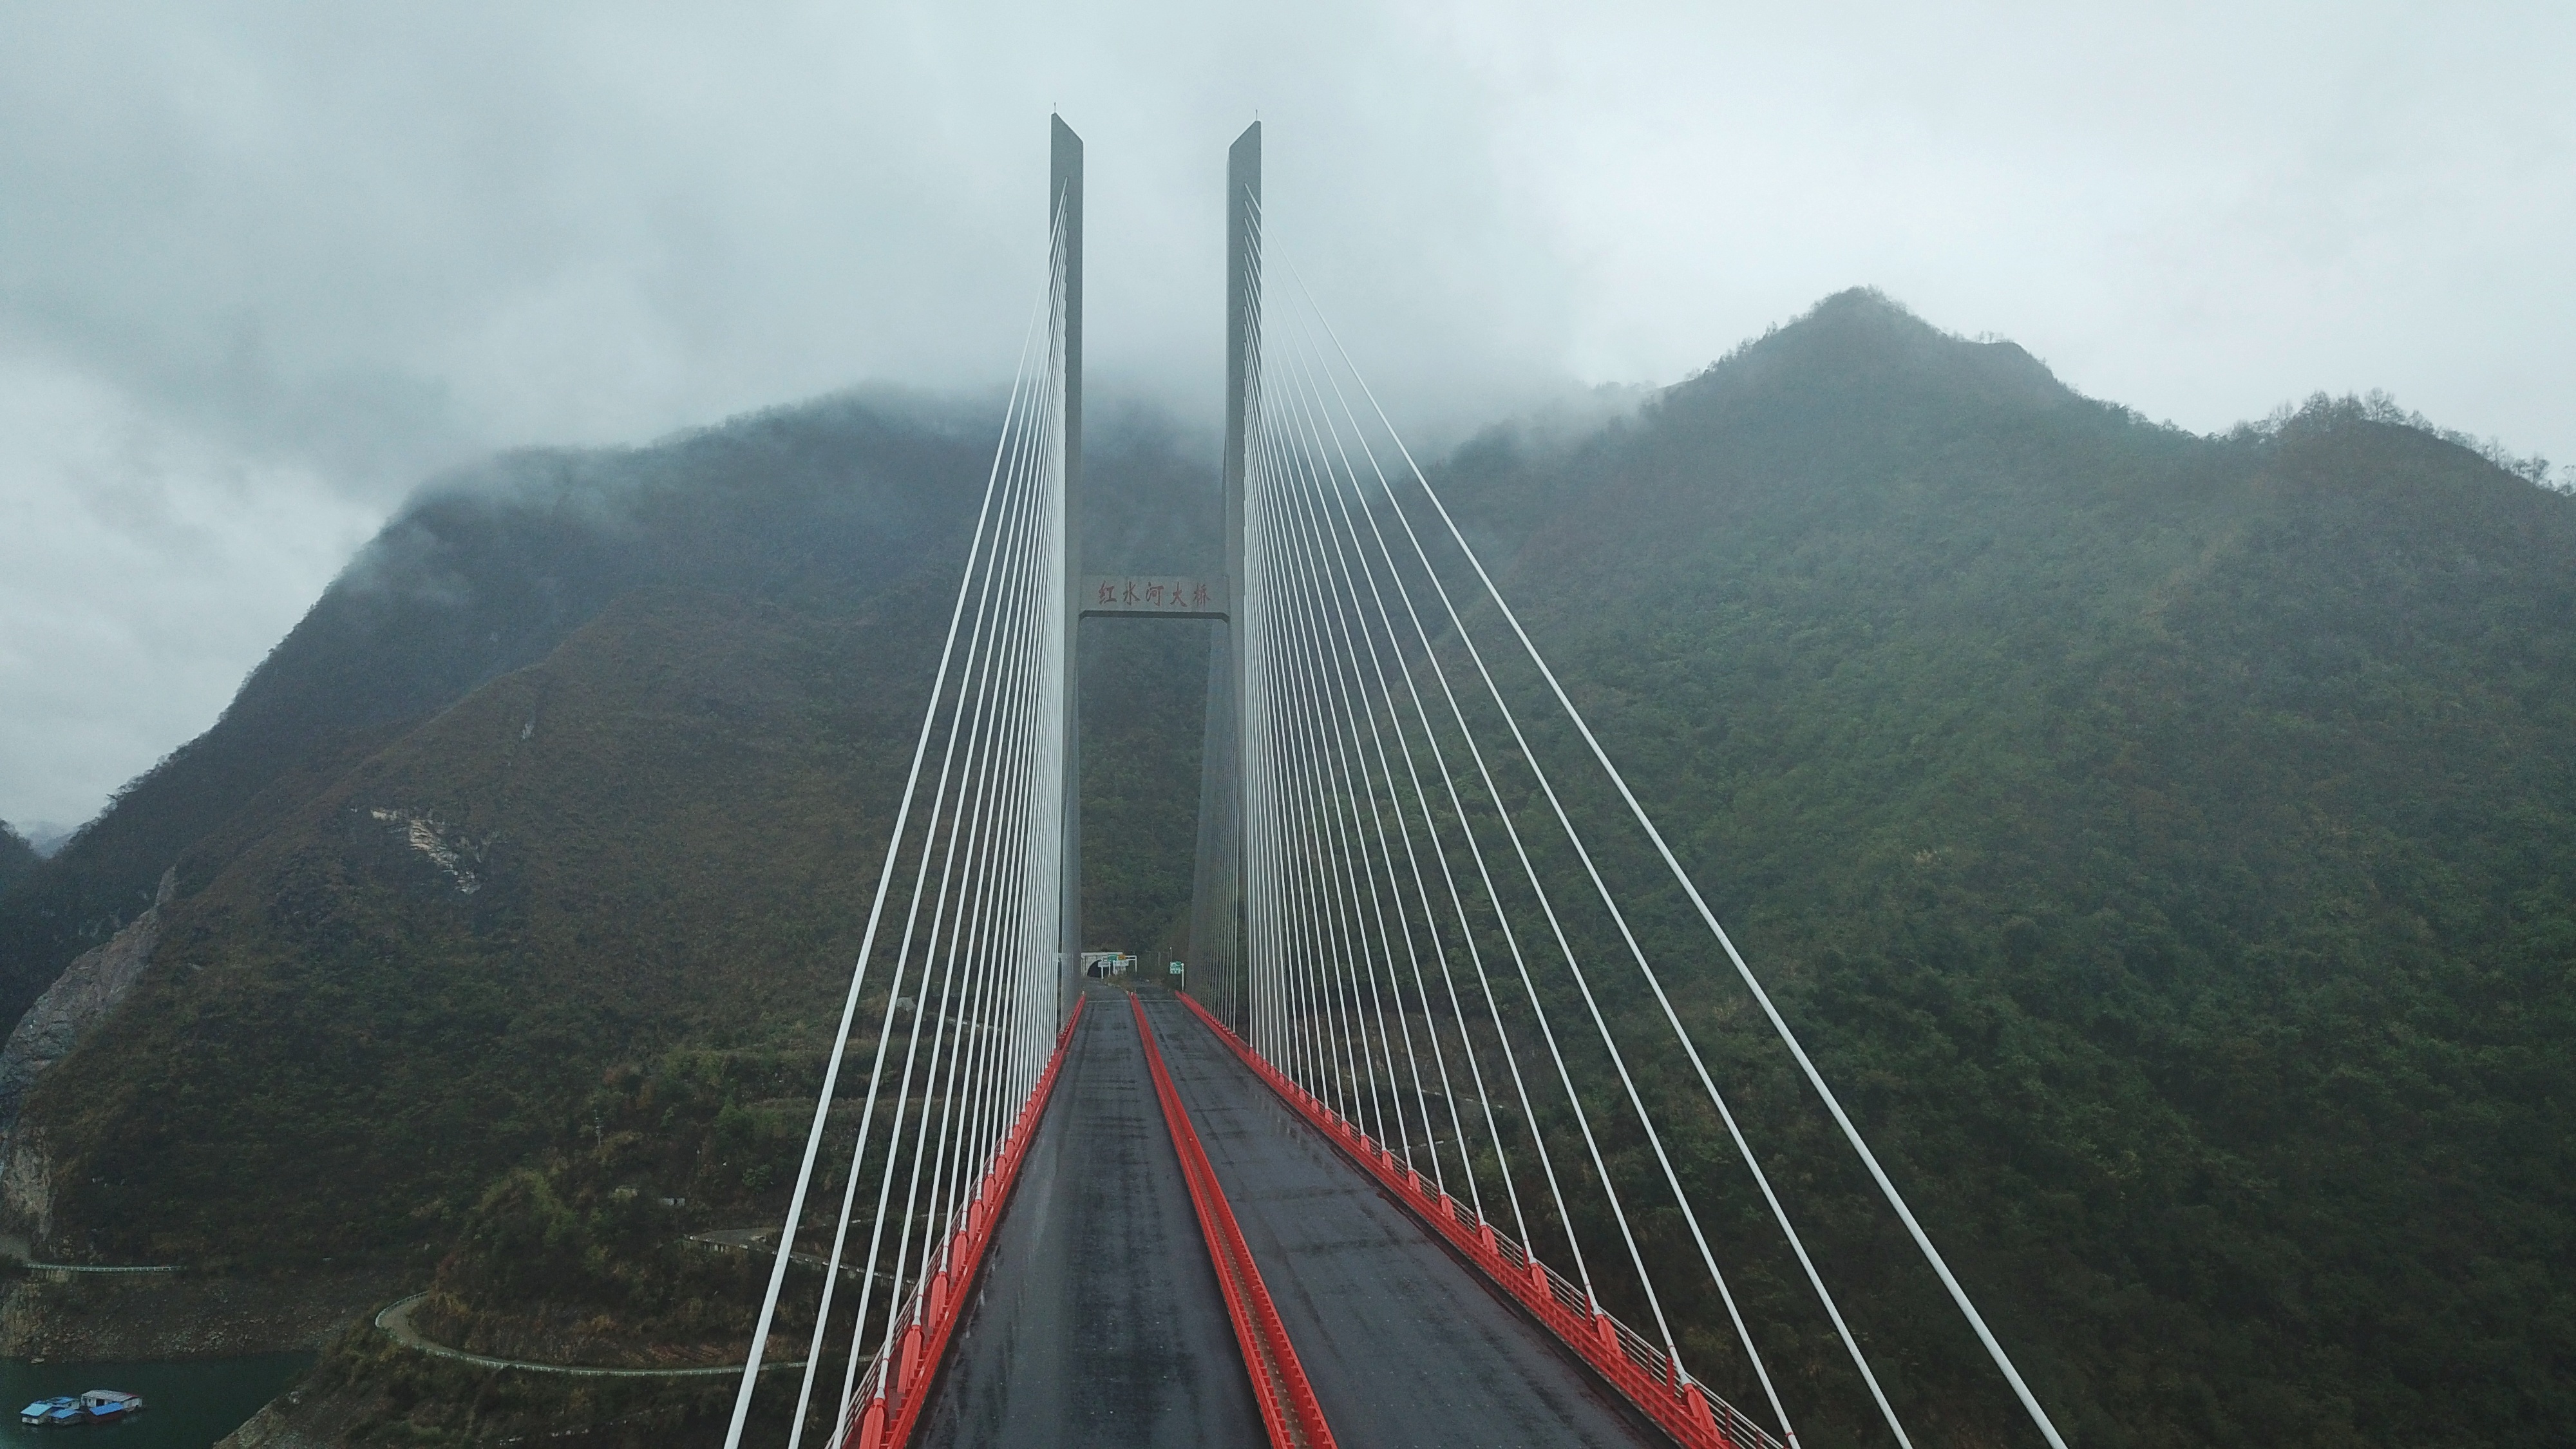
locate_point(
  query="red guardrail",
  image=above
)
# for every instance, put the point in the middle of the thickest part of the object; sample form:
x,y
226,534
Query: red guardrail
x,y
1632,1364
1288,1407
883,1414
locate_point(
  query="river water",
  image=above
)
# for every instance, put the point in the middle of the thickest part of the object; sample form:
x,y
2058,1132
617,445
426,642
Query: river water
x,y
190,1403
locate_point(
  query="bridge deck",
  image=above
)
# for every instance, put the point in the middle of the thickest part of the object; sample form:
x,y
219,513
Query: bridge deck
x,y
1405,1345
1097,1319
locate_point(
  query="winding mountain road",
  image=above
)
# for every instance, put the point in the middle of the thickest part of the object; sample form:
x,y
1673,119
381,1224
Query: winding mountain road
x,y
395,1320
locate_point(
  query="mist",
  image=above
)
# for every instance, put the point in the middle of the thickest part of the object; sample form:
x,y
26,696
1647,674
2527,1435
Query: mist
x,y
267,267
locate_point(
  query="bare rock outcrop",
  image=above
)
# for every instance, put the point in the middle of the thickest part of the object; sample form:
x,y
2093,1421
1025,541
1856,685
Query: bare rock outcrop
x,y
88,991
26,1190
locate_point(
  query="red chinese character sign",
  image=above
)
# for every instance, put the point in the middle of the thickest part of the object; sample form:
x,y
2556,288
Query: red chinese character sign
x,y
1162,594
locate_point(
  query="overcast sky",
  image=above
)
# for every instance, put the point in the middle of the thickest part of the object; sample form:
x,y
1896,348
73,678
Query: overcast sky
x,y
264,266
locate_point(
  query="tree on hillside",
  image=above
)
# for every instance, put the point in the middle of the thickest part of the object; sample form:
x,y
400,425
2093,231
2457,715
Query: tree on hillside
x,y
17,857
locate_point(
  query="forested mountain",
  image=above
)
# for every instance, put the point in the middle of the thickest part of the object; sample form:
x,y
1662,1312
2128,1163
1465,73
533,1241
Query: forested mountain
x,y
2163,840
488,572
2167,837
362,811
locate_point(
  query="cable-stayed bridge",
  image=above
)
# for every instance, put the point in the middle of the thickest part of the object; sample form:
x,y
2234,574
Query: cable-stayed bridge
x,y
1418,1151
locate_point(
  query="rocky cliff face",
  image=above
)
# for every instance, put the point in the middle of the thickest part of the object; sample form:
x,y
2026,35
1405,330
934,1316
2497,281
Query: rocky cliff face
x,y
89,990
26,1193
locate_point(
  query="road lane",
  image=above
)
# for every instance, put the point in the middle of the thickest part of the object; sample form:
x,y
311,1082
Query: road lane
x,y
1405,1345
1097,1319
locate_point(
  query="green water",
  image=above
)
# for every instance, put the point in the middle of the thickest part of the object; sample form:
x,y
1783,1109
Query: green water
x,y
189,1403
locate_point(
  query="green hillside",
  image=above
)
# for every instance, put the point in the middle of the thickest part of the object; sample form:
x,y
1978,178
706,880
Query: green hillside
x,y
653,839
487,571
661,817
2163,841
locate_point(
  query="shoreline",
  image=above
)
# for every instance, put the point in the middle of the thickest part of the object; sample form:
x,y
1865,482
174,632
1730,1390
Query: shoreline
x,y
132,1317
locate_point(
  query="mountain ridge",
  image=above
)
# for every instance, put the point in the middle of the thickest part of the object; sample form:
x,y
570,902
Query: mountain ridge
x,y
2161,838
536,532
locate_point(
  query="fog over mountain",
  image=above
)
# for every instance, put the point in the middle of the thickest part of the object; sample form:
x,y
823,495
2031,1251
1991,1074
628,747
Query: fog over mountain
x,y
268,268
2165,837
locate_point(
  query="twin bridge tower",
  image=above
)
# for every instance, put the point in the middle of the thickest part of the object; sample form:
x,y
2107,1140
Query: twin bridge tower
x,y
1216,914
1420,921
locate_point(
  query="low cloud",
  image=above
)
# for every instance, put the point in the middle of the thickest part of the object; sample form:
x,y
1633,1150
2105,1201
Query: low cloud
x,y
142,573
264,267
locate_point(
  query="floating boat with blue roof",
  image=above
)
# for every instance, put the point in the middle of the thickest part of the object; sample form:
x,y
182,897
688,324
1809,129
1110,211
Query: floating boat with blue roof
x,y
98,1406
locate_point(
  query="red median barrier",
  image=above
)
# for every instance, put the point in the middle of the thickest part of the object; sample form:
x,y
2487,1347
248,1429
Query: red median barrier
x,y
1634,1366
1288,1407
889,1405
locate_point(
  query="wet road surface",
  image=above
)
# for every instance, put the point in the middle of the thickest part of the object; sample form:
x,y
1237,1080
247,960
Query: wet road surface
x,y
1404,1344
1097,1319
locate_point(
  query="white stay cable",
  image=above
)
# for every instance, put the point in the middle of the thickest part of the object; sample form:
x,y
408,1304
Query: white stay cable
x,y
1355,622
1565,1077
1302,917
984,640
1493,1012
1354,563
1458,904
1529,986
1592,1006
972,1079
1328,949
1015,424
1351,686
1348,621
1330,776
1520,1085
1044,964
966,942
1006,934
965,825
1334,784
858,976
1017,435
1708,917
1012,848
877,1223
1262,945
1636,1102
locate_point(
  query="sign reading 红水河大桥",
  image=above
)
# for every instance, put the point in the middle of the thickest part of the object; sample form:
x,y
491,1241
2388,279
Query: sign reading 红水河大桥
x,y
1153,594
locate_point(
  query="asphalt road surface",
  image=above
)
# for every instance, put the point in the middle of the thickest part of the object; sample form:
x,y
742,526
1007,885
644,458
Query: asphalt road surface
x,y
1404,1344
1097,1319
